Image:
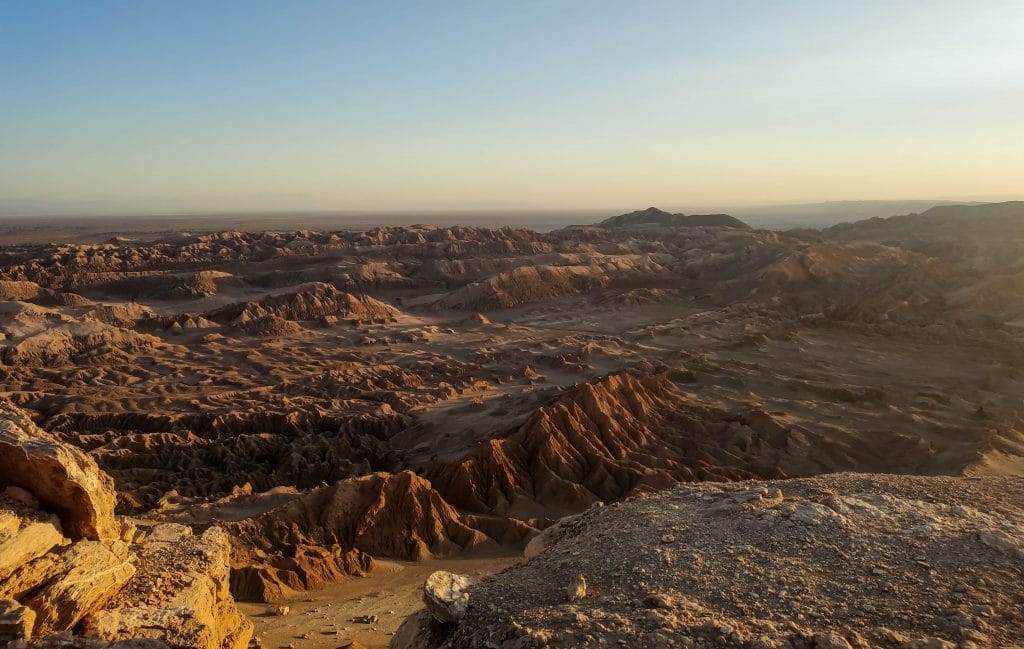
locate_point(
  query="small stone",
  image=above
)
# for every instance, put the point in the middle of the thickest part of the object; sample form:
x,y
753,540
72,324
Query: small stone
x,y
658,600
281,611
577,590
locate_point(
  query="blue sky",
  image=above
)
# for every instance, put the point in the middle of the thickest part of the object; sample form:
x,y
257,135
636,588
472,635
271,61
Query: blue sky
x,y
164,106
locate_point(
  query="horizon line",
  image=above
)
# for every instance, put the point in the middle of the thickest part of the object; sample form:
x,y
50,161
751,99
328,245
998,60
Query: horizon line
x,y
126,213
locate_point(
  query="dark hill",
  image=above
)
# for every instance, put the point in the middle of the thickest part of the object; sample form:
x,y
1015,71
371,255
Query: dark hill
x,y
654,216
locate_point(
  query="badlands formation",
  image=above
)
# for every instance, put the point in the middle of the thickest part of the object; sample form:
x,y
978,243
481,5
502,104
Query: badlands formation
x,y
203,432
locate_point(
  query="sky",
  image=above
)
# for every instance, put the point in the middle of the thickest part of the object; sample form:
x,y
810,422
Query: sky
x,y
150,106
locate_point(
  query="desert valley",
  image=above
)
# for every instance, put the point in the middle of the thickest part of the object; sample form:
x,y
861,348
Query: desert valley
x,y
273,438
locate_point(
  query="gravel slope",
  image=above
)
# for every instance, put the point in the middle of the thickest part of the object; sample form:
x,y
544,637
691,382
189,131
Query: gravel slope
x,y
843,560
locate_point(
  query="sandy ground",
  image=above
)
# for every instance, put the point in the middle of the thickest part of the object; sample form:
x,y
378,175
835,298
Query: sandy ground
x,y
325,618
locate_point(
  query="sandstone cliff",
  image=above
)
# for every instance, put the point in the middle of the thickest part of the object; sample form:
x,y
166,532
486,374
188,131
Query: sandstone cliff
x,y
67,564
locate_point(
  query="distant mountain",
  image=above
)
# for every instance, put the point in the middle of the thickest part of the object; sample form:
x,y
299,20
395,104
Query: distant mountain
x,y
986,237
983,220
654,216
823,215
1009,210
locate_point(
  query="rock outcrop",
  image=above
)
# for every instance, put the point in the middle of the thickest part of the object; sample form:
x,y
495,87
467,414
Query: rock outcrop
x,y
265,325
180,594
316,538
25,534
68,340
623,433
64,479
73,582
165,286
307,302
26,291
68,565
163,457
531,282
525,285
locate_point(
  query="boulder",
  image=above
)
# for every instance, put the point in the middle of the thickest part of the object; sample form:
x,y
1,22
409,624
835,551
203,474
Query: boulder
x,y
24,537
29,575
447,595
64,479
82,579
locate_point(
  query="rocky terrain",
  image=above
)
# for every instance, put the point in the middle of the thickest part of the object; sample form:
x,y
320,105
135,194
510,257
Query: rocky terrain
x,y
73,573
284,411
838,561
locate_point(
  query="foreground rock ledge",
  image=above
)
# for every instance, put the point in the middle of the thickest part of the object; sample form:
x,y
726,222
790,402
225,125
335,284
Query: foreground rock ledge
x,y
73,575
845,560
180,595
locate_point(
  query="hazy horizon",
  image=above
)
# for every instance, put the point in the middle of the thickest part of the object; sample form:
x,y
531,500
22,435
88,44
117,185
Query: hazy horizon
x,y
196,107
87,209
99,227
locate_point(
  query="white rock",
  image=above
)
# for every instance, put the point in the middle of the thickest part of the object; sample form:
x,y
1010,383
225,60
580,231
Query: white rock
x,y
447,595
